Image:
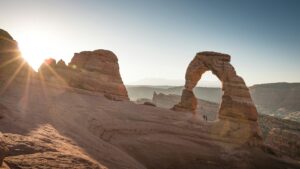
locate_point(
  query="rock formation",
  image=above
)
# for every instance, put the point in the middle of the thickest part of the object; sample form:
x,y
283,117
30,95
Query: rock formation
x,y
236,101
90,70
285,142
11,62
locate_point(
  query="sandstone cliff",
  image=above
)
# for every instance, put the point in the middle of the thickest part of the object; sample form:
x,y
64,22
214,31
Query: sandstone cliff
x,y
90,70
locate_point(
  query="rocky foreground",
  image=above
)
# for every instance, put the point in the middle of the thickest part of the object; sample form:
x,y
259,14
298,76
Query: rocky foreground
x,y
79,116
72,128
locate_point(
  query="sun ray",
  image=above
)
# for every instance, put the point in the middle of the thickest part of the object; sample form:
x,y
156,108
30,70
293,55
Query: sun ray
x,y
12,77
26,91
56,75
9,61
42,81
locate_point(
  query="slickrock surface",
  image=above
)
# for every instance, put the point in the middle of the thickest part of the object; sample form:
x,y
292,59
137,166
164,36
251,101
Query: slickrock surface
x,y
236,102
60,121
44,147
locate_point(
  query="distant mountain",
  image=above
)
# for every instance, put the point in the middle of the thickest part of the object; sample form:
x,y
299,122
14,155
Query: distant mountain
x,y
277,99
205,93
172,82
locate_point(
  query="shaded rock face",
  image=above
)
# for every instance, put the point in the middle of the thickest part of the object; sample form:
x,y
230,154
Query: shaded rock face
x,y
90,70
236,100
11,62
188,101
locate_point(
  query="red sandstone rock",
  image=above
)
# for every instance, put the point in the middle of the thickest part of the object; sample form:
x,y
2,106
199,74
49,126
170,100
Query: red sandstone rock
x,y
91,70
98,71
188,102
236,102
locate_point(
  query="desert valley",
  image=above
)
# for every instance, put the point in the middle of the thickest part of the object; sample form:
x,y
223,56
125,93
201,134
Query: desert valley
x,y
81,115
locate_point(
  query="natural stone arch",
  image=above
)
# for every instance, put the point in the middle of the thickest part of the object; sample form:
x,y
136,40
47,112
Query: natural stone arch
x,y
237,113
236,99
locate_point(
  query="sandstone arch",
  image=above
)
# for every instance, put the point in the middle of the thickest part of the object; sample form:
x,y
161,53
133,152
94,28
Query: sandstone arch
x,y
237,107
236,100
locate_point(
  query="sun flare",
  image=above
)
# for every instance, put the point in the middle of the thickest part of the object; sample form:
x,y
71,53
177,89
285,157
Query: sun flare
x,y
36,46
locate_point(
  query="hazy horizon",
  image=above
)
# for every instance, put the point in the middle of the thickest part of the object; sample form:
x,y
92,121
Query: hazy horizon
x,y
158,39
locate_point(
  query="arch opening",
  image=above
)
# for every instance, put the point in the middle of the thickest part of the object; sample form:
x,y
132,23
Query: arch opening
x,y
208,92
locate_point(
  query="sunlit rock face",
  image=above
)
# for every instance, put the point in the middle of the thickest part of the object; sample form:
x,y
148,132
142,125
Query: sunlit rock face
x,y
236,102
90,70
11,62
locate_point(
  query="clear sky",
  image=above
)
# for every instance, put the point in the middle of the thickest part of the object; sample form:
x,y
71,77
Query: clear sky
x,y
157,39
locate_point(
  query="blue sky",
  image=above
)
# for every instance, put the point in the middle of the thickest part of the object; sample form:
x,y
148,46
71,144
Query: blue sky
x,y
157,39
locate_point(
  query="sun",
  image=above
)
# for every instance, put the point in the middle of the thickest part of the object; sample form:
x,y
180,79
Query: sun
x,y
35,47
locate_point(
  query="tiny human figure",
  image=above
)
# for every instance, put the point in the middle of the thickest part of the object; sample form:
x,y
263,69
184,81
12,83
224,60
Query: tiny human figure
x,y
203,116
